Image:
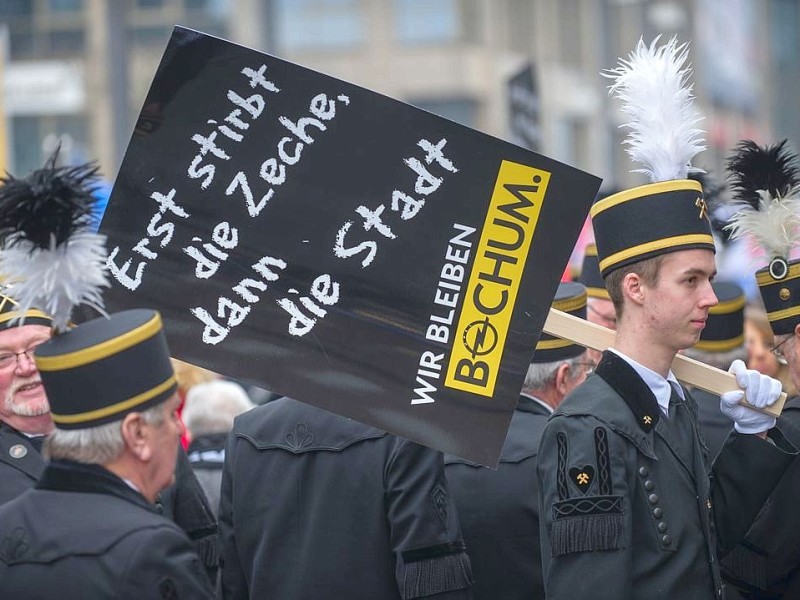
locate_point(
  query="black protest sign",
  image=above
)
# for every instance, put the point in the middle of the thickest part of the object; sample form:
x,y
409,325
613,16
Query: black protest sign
x,y
339,246
523,108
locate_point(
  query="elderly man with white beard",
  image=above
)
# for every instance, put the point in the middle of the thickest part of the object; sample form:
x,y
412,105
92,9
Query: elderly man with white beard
x,y
24,411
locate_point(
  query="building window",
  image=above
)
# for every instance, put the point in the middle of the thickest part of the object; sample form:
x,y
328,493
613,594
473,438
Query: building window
x,y
155,36
62,6
423,21
460,110
785,38
307,24
35,138
213,8
16,8
570,34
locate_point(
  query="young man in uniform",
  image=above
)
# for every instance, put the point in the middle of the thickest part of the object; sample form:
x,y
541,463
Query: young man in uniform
x,y
648,521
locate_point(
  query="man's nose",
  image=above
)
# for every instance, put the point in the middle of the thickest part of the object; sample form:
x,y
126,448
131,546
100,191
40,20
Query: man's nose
x,y
25,363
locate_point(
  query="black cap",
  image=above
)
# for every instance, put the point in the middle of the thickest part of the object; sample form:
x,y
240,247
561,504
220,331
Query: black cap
x,y
570,298
650,220
9,311
106,368
724,330
590,274
779,284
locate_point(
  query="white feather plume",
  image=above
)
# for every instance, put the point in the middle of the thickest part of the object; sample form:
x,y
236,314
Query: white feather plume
x,y
775,226
653,87
56,279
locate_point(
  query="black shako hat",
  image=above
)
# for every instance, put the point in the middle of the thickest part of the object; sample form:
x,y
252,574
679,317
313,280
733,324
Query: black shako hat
x,y
670,213
766,185
648,221
590,274
570,298
724,330
106,368
11,316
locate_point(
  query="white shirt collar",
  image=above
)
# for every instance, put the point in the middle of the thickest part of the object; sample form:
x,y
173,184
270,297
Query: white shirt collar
x,y
661,388
131,485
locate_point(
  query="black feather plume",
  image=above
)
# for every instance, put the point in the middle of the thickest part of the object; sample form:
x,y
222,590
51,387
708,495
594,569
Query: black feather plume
x,y
753,168
712,188
51,202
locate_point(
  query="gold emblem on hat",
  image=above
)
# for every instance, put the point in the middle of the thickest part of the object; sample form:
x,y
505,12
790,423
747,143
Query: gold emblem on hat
x,y
647,419
17,451
701,204
785,294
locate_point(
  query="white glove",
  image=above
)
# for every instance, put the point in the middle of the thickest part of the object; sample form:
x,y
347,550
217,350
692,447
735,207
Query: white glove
x,y
759,390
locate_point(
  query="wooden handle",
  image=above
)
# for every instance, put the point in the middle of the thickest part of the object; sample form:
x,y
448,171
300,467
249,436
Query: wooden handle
x,y
689,371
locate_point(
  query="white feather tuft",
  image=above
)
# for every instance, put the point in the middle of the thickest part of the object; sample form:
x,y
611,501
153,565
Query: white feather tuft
x,y
653,87
775,226
59,278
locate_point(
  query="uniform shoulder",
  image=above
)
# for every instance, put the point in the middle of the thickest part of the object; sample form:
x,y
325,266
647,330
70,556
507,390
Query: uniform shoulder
x,y
585,399
297,427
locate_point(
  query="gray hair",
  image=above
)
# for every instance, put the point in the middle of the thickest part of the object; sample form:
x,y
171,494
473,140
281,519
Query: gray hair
x,y
720,360
95,445
542,375
211,407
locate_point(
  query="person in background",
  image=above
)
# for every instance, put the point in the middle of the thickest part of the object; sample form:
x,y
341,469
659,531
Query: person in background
x,y
188,376
721,342
629,507
600,308
499,509
24,411
89,528
315,505
208,413
43,207
759,341
765,565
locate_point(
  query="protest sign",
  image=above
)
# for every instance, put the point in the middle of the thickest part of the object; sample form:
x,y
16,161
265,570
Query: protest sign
x,y
339,246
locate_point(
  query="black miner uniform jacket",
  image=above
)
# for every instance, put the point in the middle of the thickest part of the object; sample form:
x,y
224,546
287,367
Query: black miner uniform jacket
x,y
82,532
316,506
499,510
766,564
21,463
628,506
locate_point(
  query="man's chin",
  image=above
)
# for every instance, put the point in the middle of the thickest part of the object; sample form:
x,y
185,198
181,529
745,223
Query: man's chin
x,y
31,409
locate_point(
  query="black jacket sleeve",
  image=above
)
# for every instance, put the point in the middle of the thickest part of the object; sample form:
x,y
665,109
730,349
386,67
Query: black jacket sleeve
x,y
425,533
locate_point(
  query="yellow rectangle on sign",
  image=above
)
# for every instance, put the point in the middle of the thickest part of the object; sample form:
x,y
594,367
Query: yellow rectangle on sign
x,y
494,280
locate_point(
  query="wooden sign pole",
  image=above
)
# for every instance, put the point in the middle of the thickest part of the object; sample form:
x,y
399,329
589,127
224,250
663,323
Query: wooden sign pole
x,y
689,371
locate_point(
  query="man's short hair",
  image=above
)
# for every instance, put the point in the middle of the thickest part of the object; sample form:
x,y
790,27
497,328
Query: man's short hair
x,y
648,269
542,375
211,407
95,445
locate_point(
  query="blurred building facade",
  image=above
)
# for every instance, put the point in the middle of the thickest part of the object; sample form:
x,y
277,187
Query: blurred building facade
x,y
77,71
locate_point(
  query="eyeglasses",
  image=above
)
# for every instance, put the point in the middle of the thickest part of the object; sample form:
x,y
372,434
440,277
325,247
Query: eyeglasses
x,y
776,350
9,360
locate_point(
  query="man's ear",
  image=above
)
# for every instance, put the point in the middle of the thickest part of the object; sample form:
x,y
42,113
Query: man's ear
x,y
797,330
134,433
633,288
562,378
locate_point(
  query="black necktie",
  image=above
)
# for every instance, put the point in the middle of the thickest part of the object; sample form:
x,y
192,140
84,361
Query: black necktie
x,y
674,399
